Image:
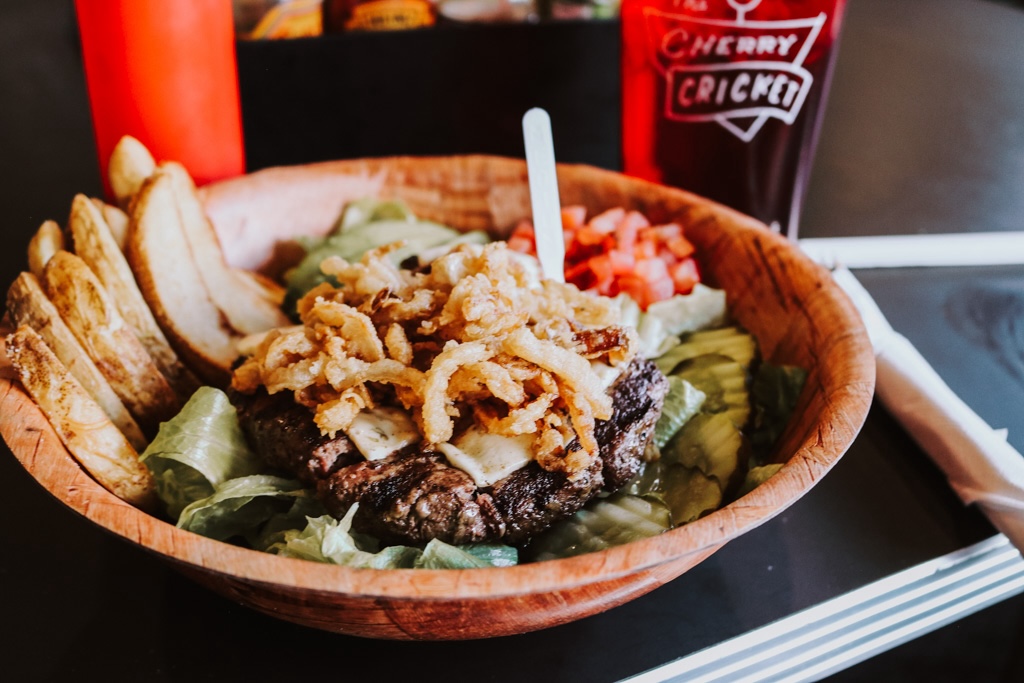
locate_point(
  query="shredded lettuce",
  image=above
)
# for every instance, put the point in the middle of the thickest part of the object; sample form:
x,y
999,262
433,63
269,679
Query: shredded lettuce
x,y
661,325
440,555
197,450
240,507
493,554
330,540
370,209
294,518
326,539
702,308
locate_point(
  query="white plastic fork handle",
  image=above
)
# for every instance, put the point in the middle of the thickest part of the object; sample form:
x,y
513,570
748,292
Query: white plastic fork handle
x,y
902,251
547,210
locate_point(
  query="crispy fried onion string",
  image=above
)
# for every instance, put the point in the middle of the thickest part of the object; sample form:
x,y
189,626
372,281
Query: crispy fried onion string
x,y
475,337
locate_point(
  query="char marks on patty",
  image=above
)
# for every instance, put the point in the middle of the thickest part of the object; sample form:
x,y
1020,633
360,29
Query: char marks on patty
x,y
414,496
284,435
412,499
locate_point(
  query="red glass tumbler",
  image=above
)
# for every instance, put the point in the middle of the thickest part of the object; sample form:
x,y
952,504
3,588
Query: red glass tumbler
x,y
165,73
724,98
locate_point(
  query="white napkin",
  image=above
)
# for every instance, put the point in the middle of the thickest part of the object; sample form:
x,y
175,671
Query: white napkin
x,y
981,466
896,251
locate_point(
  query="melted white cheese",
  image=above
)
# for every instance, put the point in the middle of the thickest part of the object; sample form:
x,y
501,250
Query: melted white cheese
x,y
488,458
379,432
606,374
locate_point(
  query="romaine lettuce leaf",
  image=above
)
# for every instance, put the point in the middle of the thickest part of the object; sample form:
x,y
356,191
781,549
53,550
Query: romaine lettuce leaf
x,y
240,507
494,555
278,526
326,539
198,449
441,555
660,326
703,307
370,209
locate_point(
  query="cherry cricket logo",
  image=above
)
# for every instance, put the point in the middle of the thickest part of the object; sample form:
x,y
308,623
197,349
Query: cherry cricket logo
x,y
736,73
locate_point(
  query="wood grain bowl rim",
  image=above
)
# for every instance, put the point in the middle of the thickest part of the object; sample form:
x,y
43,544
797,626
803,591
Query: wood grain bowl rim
x,y
40,451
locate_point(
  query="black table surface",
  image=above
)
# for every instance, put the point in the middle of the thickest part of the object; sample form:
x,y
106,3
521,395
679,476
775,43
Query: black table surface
x,y
924,133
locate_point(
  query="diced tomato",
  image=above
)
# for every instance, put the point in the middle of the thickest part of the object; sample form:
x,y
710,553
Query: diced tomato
x,y
619,251
524,228
522,238
685,275
607,221
573,217
668,231
627,229
573,239
622,261
521,244
645,249
603,272
581,275
636,289
578,251
655,273
588,236
680,247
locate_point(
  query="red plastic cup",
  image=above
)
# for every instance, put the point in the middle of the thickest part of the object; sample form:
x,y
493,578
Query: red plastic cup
x,y
724,97
165,73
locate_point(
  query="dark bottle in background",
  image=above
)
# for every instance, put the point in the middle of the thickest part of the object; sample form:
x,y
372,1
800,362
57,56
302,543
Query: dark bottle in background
x,y
724,98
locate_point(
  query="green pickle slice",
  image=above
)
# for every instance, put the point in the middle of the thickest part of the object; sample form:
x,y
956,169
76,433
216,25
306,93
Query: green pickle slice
x,y
712,444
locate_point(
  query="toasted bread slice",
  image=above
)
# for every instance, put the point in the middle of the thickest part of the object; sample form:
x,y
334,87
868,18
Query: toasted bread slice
x,y
171,283
90,436
47,241
95,245
89,312
28,305
117,221
130,165
246,310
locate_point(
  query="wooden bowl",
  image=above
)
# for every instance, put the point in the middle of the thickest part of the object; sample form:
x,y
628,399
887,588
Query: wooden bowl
x,y
792,306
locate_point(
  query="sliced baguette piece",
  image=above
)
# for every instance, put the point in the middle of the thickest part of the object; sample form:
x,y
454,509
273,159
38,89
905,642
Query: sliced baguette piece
x,y
246,309
95,245
169,279
117,221
91,315
28,305
47,241
98,445
130,165
262,286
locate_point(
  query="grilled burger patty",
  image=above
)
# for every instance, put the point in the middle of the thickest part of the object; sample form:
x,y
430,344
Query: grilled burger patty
x,y
414,495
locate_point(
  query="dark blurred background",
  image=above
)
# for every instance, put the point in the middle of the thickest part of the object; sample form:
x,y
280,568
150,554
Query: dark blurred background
x,y
461,90
924,132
